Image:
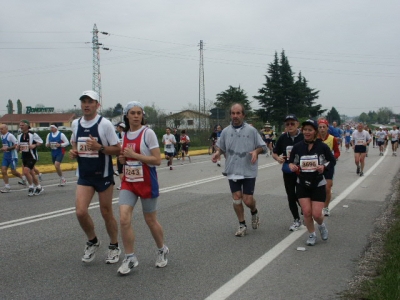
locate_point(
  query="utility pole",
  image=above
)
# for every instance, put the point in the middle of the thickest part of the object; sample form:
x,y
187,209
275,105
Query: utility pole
x,y
202,98
96,78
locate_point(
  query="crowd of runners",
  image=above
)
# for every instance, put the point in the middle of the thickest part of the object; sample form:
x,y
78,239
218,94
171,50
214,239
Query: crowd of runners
x,y
307,152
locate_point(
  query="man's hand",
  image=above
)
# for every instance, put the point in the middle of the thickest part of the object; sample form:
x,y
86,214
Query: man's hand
x,y
216,156
92,144
254,156
73,154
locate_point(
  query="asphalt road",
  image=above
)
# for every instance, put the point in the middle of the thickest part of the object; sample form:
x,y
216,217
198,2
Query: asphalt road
x,y
42,243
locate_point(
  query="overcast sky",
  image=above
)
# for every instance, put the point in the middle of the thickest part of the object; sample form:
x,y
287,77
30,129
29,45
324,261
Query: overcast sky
x,y
349,50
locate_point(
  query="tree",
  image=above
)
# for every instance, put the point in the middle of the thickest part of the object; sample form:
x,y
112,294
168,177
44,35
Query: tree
x,y
281,94
117,111
232,95
10,107
384,114
19,107
333,116
363,118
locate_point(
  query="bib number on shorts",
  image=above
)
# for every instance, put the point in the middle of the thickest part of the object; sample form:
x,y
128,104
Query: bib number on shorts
x,y
133,171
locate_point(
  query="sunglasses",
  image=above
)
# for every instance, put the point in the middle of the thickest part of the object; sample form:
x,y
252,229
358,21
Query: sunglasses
x,y
290,124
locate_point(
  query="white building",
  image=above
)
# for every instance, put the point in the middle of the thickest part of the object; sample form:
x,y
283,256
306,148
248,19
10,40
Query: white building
x,y
188,119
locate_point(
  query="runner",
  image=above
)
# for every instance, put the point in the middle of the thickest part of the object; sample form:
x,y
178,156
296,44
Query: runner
x,y
338,132
310,159
169,141
120,133
57,141
267,137
140,156
380,140
347,138
94,141
218,134
27,144
241,144
360,139
281,154
394,137
332,143
185,142
178,144
10,156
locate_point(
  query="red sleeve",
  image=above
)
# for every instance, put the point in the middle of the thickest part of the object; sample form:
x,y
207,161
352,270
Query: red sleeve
x,y
336,151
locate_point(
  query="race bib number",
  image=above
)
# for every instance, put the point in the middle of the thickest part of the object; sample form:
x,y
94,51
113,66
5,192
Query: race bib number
x,y
169,146
133,171
53,145
267,136
24,147
347,133
288,151
84,150
360,142
309,163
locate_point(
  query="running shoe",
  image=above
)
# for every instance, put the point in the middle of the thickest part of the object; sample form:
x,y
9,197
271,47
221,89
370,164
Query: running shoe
x,y
128,264
22,182
218,163
311,240
63,181
295,226
116,173
40,177
162,260
170,168
30,192
358,170
38,191
255,221
361,173
90,251
119,188
324,231
113,254
5,190
326,211
241,231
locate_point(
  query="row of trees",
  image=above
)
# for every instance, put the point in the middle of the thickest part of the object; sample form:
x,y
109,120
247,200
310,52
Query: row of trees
x,y
382,116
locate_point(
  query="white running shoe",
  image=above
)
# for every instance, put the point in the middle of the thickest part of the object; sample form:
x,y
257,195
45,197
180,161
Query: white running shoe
x,y
30,192
311,240
128,264
295,226
38,191
113,254
63,181
255,221
5,190
218,163
22,182
162,260
326,211
90,251
241,231
324,231
40,177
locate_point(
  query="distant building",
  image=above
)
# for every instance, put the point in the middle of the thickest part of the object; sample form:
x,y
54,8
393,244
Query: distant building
x,y
188,119
37,120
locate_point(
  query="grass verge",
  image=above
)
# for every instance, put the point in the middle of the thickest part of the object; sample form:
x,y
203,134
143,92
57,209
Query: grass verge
x,y
378,275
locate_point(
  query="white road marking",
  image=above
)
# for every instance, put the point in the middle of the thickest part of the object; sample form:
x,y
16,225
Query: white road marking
x,y
244,276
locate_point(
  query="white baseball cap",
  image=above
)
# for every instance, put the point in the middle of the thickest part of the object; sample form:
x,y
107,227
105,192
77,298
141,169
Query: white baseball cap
x,y
91,94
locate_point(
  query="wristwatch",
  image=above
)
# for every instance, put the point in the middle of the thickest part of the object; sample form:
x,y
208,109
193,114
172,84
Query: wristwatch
x,y
101,149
